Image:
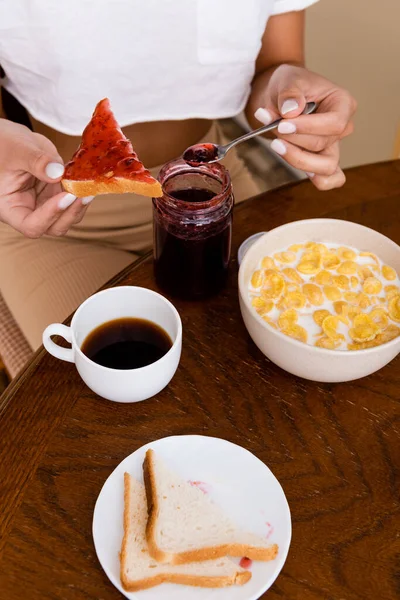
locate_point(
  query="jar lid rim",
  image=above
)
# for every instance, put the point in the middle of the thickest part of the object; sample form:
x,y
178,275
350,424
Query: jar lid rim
x,y
177,166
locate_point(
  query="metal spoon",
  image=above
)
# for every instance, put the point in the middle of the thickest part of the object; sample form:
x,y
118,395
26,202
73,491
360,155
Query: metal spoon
x,y
210,153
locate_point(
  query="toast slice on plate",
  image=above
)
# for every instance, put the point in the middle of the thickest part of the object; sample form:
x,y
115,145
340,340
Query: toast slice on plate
x,y
140,571
105,162
184,525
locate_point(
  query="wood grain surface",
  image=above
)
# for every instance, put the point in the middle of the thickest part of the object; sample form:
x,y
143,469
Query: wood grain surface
x,y
334,448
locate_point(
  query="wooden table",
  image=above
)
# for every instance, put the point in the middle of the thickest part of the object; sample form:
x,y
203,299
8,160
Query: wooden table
x,y
334,448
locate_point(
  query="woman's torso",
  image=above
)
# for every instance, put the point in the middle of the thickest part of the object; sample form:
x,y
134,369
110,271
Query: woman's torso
x,y
157,60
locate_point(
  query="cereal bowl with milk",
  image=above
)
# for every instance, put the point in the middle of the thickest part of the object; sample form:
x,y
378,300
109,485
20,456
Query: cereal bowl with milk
x,y
321,298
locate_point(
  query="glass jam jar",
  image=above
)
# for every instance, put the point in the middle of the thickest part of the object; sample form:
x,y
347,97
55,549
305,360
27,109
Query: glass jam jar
x,y
193,229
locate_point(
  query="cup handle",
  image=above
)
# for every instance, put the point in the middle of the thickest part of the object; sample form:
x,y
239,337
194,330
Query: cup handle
x,y
53,348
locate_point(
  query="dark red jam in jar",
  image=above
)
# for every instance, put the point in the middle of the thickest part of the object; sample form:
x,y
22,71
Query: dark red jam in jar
x,y
193,229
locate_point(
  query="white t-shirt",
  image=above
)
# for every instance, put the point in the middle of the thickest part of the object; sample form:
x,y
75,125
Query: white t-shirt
x,y
154,59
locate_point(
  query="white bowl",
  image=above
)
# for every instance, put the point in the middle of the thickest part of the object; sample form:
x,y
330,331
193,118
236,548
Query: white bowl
x,y
298,358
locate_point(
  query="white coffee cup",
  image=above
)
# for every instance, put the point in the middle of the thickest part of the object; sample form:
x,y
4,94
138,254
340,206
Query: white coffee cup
x,y
119,385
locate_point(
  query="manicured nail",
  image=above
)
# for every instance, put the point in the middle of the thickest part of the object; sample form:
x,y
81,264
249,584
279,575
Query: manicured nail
x,y
310,175
288,106
286,127
66,201
54,170
87,200
263,115
279,147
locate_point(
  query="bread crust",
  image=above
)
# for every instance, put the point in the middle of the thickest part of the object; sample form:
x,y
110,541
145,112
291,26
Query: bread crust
x,y
238,578
193,580
116,185
122,554
255,553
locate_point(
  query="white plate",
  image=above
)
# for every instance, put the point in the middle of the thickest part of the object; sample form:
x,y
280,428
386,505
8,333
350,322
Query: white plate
x,y
240,483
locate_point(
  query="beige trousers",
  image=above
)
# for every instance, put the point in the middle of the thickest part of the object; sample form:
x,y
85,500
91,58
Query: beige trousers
x,y
43,281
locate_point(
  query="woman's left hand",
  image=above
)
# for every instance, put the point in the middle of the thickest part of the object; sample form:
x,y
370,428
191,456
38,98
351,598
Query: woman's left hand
x,y
308,142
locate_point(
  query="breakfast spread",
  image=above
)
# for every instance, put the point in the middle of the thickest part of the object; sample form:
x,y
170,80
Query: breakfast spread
x,y
327,295
173,532
105,162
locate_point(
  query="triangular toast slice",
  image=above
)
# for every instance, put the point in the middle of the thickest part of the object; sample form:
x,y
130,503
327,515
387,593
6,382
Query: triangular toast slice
x,y
185,525
105,162
139,571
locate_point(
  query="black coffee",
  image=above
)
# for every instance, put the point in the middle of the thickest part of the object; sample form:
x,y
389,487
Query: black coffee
x,y
193,195
126,344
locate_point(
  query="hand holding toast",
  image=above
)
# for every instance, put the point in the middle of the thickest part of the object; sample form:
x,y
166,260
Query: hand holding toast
x,y
31,196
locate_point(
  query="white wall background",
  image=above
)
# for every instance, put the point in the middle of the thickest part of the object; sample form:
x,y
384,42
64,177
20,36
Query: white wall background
x,y
356,43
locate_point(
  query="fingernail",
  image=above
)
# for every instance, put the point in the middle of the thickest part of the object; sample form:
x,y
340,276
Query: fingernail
x,y
286,127
87,200
279,147
288,106
263,115
66,201
54,170
310,175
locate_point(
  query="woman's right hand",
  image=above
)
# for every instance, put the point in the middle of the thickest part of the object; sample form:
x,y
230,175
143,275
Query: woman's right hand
x,y
31,196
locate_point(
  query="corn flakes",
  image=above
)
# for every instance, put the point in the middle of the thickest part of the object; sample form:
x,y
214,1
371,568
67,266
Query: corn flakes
x,y
294,300
379,316
294,280
310,266
323,278
257,279
389,273
341,281
313,294
287,318
364,329
391,291
363,300
270,322
329,327
285,257
315,247
328,343
361,345
394,308
261,305
365,272
273,286
340,307
295,247
352,311
354,281
332,293
320,315
372,285
346,253
351,297
297,332
268,263
292,274
331,261
348,267
389,334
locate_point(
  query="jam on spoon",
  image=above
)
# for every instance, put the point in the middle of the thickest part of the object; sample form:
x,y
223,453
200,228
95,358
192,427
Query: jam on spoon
x,y
200,153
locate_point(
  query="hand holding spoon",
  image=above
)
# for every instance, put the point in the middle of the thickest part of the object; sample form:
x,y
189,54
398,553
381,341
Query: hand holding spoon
x,y
210,153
